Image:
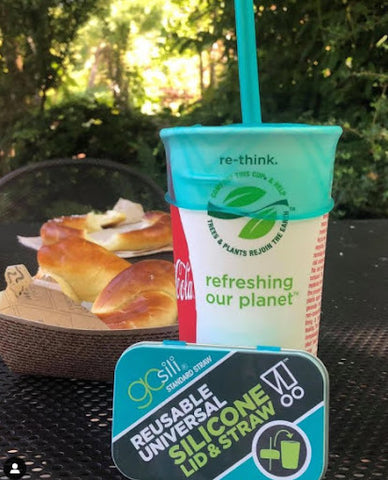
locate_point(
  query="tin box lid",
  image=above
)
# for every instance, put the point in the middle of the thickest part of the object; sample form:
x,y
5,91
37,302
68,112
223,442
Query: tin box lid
x,y
210,412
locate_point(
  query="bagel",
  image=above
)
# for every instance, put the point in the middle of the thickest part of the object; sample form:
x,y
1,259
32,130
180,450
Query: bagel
x,y
141,296
81,268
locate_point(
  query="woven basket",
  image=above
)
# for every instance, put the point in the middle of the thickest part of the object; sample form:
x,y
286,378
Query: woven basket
x,y
31,348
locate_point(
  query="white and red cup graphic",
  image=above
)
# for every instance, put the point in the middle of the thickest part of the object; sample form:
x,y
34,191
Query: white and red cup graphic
x,y
249,210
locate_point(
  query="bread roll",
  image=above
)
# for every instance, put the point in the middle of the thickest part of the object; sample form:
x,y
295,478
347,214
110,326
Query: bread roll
x,y
141,296
110,218
60,228
81,268
156,234
54,231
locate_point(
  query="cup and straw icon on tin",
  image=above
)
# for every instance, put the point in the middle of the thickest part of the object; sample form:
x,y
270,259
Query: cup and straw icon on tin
x,y
288,453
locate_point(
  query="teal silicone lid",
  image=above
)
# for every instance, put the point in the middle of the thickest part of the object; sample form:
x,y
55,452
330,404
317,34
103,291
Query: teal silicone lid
x,y
207,412
244,169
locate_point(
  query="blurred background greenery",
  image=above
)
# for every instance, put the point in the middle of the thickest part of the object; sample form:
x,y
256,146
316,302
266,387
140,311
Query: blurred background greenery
x,y
99,78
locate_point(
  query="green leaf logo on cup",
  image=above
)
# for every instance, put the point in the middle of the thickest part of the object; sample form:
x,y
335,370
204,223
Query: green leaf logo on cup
x,y
258,227
261,212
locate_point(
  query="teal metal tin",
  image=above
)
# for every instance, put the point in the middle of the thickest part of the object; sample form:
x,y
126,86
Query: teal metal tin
x,y
216,412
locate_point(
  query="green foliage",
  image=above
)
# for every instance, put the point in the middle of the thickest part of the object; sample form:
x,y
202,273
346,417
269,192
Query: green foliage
x,y
320,62
86,127
35,39
107,43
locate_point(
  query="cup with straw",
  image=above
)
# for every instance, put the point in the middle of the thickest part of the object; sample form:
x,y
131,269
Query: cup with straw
x,y
249,206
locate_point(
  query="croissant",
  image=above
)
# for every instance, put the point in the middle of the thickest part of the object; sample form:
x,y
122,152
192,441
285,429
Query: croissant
x,y
140,296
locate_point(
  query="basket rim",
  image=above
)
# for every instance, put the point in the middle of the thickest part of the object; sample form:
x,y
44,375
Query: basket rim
x,y
84,331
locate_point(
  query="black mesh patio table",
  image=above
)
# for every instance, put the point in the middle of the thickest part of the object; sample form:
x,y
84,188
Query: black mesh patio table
x,y
62,427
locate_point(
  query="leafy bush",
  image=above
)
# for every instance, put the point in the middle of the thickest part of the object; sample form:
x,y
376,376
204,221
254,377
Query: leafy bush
x,y
85,127
319,63
360,185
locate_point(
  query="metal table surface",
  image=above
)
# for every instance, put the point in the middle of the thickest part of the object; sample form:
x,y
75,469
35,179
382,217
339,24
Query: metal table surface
x,y
61,427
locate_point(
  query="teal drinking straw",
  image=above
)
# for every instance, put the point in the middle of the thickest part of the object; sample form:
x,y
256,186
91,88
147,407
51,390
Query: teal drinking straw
x,y
247,61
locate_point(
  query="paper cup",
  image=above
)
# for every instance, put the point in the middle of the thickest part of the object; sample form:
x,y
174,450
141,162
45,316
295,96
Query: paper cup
x,y
249,210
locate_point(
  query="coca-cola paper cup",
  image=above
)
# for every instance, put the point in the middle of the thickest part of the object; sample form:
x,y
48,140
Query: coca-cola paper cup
x,y
249,212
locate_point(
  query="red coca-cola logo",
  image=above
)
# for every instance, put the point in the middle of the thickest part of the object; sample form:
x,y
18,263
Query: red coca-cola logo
x,y
184,280
185,289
